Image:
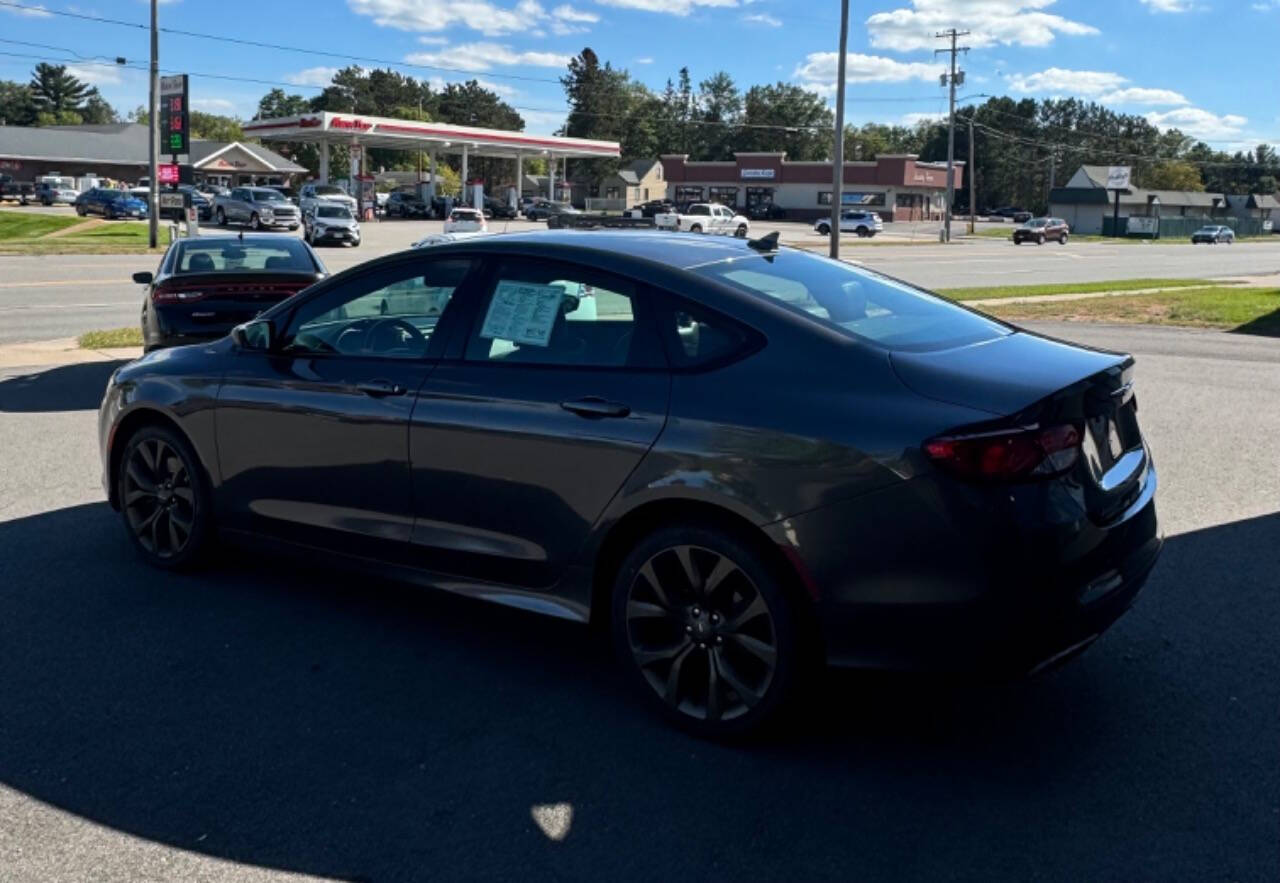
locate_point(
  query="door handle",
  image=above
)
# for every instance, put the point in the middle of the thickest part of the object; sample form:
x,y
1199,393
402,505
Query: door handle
x,y
380,388
594,406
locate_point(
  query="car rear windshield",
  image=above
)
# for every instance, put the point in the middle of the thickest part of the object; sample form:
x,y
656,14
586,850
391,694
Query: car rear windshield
x,y
861,304
469,214
333,211
286,255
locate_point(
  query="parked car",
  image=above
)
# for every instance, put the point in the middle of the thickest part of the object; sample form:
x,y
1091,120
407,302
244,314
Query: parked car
x,y
654,207
1013,213
1040,230
14,190
110,204
862,223
705,217
543,209
765,211
498,208
205,286
441,238
742,460
1213,234
211,190
50,194
311,193
259,207
464,220
331,223
288,193
405,204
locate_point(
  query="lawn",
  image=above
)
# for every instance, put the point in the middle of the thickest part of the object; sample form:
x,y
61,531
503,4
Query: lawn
x,y
28,225
28,234
114,337
984,292
1244,310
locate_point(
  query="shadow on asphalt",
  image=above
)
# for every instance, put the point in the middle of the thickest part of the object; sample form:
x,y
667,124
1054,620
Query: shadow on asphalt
x,y
66,388
282,716
1263,326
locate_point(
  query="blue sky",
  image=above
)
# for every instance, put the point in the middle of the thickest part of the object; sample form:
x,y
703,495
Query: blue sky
x,y
1137,56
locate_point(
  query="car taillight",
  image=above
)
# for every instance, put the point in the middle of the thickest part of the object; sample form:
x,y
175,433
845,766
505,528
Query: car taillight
x,y
1008,455
169,296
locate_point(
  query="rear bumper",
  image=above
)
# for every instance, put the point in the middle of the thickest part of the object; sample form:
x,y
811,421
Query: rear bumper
x,y
913,580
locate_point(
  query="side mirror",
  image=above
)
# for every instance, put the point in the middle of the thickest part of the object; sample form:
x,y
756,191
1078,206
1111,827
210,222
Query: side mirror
x,y
143,278
258,335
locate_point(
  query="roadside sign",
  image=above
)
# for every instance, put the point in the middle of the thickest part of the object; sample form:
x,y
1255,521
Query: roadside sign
x,y
175,118
167,173
172,200
1118,178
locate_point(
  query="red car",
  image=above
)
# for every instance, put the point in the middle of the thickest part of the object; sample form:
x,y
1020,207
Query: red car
x,y
1040,230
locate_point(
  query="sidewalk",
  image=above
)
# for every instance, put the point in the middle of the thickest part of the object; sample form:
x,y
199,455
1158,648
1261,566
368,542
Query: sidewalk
x,y
65,351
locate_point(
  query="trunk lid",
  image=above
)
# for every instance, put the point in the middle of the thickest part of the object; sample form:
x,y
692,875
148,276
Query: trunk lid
x,y
216,302
1030,380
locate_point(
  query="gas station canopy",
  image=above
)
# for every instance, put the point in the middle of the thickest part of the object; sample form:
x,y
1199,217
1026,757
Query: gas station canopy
x,y
325,127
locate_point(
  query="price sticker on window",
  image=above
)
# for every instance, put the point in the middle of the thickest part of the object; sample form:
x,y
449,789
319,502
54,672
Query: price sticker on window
x,y
522,312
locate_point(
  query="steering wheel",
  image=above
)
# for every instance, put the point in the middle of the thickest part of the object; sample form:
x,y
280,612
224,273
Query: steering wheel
x,y
380,329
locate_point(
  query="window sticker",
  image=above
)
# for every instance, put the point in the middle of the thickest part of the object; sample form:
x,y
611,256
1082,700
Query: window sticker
x,y
522,312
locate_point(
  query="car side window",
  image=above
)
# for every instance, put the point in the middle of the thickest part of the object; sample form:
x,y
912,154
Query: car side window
x,y
696,337
392,314
543,313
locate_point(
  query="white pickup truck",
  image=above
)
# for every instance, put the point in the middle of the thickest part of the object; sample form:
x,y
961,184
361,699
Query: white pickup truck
x,y
704,217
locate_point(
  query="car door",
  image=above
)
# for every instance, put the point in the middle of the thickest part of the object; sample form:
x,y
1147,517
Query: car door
x,y
518,445
313,434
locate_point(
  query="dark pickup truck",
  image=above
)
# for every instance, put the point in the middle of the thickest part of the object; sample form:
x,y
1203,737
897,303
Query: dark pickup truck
x,y
16,191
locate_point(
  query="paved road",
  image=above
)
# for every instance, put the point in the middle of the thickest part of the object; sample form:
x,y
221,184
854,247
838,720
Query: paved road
x,y
264,718
51,297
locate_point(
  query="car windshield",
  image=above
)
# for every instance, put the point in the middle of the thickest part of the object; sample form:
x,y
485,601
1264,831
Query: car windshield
x,y
330,191
333,211
268,195
286,255
1038,222
857,302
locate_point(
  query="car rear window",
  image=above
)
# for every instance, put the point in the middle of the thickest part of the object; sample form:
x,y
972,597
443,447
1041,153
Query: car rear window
x,y
465,214
288,255
856,302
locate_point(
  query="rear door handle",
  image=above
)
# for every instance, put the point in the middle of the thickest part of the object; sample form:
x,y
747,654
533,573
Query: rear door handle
x,y
380,388
594,406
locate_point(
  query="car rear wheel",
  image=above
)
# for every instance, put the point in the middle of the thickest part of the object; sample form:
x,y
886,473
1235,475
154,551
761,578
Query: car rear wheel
x,y
705,630
221,218
696,228
164,499
863,232
741,232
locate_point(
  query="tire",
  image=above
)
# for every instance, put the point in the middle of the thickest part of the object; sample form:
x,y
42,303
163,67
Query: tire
x,y
165,501
221,217
741,232
80,211
696,657
824,230
696,228
255,223
1062,240
863,233
1040,239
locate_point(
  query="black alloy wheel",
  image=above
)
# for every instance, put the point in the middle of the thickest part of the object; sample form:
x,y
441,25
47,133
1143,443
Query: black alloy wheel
x,y
704,627
162,498
221,218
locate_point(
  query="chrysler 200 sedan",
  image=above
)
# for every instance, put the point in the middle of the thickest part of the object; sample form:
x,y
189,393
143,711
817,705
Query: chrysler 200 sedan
x,y
740,460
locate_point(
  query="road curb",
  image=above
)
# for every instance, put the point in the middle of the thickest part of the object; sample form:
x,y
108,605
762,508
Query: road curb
x,y
63,351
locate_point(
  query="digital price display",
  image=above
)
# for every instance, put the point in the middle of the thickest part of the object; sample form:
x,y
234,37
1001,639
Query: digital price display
x,y
175,117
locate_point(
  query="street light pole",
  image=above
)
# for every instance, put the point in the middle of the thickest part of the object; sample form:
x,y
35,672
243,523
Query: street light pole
x,y
153,139
837,177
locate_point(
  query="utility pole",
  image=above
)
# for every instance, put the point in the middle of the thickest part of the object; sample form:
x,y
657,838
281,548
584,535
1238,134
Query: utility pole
x,y
971,172
153,139
837,177
1048,190
951,79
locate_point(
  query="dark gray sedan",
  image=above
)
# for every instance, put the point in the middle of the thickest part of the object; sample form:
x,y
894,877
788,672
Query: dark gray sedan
x,y
740,461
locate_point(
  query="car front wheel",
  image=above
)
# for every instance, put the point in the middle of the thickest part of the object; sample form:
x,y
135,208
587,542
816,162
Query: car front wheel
x,y
824,230
741,232
164,499
1062,240
705,630
221,218
255,223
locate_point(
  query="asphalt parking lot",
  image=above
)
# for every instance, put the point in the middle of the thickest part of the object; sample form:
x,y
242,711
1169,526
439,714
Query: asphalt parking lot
x,y
43,298
265,718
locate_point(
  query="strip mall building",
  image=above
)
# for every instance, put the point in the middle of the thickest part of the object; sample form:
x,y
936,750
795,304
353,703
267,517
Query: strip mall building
x,y
897,187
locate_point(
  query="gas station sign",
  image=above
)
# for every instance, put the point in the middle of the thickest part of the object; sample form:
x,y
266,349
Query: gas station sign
x,y
175,116
167,173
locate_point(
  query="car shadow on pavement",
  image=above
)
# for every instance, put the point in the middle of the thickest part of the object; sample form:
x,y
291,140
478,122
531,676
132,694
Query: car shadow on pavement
x,y
276,714
1263,326
77,387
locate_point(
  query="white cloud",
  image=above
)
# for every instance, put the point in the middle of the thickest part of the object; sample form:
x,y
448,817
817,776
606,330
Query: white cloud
x,y
1060,80
1009,22
35,11
312,76
437,15
543,122
1139,95
645,59
763,18
819,70
484,56
213,105
1199,123
671,7
1168,5
565,12
434,41
1265,5
96,74
912,119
